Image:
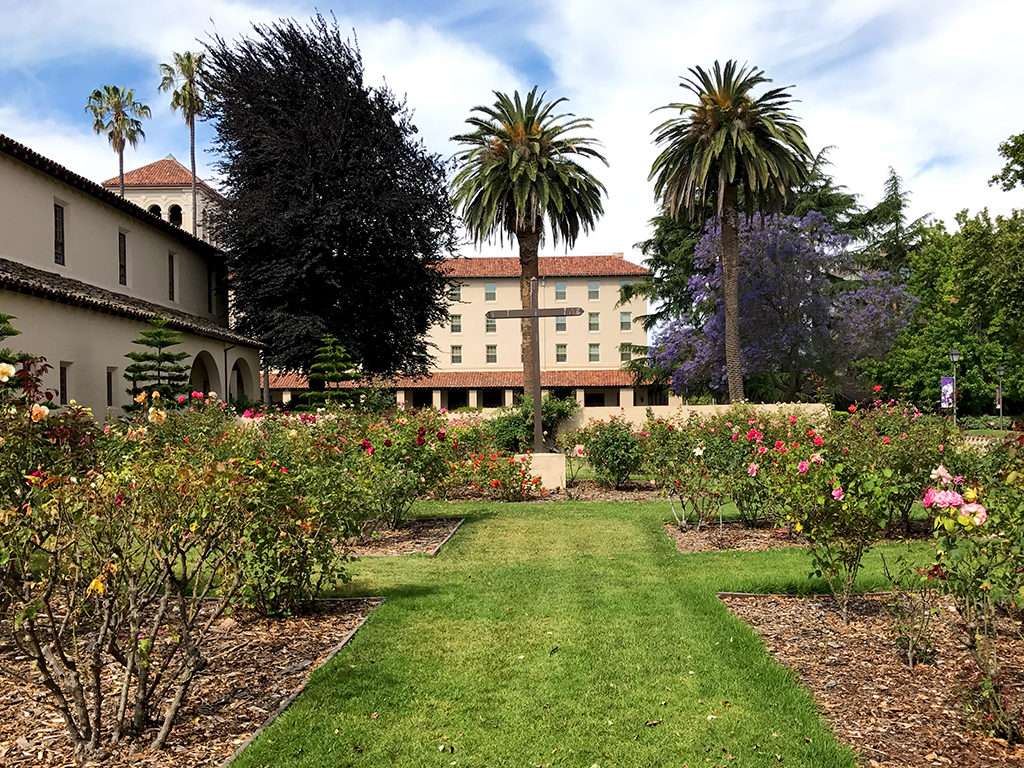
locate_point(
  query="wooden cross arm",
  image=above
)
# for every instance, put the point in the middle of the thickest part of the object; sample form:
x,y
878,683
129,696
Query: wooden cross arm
x,y
499,314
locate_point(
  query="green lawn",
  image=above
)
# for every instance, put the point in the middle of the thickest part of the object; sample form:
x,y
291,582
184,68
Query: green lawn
x,y
549,634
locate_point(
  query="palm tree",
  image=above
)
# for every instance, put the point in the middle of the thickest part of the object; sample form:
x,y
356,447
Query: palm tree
x,y
728,142
519,174
116,113
185,76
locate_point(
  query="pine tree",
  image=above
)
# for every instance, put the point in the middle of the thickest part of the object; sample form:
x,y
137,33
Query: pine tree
x,y
6,331
156,368
330,369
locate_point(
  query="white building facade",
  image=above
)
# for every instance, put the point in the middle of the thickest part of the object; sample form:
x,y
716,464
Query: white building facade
x,y
83,270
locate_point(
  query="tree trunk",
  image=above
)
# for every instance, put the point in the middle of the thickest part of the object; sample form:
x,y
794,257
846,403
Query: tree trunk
x,y
731,294
529,243
120,166
192,152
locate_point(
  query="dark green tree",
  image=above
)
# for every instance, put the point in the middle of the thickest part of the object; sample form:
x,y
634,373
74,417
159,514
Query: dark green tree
x,y
728,142
1012,174
819,192
7,330
888,237
155,367
331,368
336,216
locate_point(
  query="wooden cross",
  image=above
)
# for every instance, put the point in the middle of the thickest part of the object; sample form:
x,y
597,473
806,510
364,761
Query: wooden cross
x,y
527,314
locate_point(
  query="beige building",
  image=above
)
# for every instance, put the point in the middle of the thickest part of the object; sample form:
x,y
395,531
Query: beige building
x,y
478,362
83,270
164,188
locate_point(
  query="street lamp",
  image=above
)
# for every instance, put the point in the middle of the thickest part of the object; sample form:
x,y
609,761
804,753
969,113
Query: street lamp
x,y
954,357
1000,370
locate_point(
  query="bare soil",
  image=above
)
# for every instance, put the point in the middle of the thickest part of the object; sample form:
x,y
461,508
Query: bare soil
x,y
892,714
732,536
423,535
254,665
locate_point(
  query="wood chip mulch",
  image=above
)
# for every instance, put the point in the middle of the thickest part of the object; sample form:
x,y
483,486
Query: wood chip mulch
x,y
892,714
423,535
255,664
732,536
592,490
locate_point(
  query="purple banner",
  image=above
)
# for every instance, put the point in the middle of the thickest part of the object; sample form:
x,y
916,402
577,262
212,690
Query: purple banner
x,y
947,391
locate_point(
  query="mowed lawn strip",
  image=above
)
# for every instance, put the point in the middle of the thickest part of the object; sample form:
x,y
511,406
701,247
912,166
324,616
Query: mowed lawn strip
x,y
552,634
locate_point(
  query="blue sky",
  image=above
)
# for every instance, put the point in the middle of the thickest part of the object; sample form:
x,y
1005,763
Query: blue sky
x,y
927,87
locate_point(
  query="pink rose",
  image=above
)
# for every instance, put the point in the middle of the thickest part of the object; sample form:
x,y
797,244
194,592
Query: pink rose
x,y
929,498
792,419
886,440
803,466
947,500
817,458
818,442
838,494
752,469
975,511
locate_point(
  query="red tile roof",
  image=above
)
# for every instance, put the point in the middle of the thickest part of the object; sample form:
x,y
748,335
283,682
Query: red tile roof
x,y
163,173
477,379
549,266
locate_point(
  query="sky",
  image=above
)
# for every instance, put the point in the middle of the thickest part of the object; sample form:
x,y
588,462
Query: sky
x,y
928,87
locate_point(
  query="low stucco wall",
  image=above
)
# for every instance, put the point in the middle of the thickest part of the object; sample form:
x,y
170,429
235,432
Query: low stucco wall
x,y
637,415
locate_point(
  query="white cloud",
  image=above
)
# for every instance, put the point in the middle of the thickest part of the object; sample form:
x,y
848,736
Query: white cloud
x,y
925,87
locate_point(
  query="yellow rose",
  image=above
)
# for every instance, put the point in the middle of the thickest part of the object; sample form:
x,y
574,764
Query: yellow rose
x,y
39,412
971,495
96,585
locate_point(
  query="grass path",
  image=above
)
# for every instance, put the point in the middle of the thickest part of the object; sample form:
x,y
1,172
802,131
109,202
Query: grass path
x,y
550,634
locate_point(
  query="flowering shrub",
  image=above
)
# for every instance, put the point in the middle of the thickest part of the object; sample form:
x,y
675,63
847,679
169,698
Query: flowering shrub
x,y
979,527
503,477
678,459
613,450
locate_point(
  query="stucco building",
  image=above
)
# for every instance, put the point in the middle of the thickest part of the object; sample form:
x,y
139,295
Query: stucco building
x,y
478,362
164,188
83,270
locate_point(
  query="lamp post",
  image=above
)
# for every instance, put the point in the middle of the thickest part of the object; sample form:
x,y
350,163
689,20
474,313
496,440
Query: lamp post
x,y
1000,370
954,357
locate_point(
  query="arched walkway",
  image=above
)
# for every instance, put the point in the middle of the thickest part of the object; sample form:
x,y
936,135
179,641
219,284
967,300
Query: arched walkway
x,y
241,382
205,375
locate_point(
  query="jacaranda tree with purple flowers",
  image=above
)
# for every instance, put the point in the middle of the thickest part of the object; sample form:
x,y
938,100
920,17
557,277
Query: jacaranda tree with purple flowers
x,y
803,306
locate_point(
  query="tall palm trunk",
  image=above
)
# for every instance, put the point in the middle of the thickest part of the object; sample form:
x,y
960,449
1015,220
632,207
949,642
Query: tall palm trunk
x,y
529,244
192,152
120,168
731,293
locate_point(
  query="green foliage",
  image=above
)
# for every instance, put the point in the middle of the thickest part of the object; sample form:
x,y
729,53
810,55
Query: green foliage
x,y
330,370
1012,174
520,171
971,287
889,239
512,428
116,113
374,399
613,450
155,368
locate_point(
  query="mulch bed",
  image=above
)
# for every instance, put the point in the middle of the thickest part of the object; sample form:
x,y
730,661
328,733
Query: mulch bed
x,y
255,665
733,536
892,714
424,535
592,490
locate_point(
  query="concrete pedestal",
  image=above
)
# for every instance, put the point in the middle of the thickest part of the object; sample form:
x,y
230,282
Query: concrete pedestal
x,y
550,468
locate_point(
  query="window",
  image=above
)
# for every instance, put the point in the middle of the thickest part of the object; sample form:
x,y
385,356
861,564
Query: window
x,y
561,353
490,291
174,215
122,258
64,383
492,398
490,325
560,290
455,291
155,210
456,354
593,289
491,353
170,276
625,321
211,284
593,399
559,325
624,283
58,234
111,372
456,321
593,321
625,353
594,353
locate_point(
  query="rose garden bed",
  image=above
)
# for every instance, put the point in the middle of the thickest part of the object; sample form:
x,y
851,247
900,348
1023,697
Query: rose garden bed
x,y
423,535
890,713
255,666
731,536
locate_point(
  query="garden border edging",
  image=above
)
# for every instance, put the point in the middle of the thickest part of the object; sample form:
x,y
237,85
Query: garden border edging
x,y
290,699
